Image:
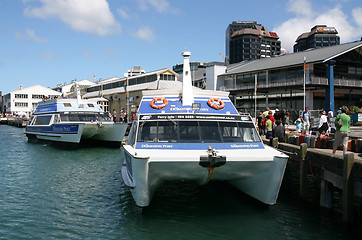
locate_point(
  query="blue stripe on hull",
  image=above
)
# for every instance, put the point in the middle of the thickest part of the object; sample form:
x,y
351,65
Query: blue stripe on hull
x,y
55,128
199,146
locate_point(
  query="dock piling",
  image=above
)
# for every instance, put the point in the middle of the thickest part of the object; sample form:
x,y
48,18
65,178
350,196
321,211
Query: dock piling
x,y
326,197
348,187
302,170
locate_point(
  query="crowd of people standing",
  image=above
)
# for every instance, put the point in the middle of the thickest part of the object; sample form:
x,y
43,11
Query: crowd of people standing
x,y
274,125
123,118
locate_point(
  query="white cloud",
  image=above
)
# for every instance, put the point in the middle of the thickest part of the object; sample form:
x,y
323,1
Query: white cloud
x,y
30,35
82,15
161,6
47,56
357,15
307,17
84,52
111,52
123,13
145,33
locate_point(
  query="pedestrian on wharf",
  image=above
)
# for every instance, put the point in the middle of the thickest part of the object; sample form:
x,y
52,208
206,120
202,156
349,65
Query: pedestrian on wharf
x,y
323,123
271,117
114,115
265,113
286,119
269,127
279,131
277,115
260,123
306,119
298,125
341,135
330,113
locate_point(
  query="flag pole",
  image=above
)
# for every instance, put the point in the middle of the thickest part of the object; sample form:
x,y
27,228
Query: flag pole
x,y
127,98
256,86
304,69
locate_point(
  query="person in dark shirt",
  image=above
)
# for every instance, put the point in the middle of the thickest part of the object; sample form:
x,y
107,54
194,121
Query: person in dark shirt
x,y
279,131
277,115
260,123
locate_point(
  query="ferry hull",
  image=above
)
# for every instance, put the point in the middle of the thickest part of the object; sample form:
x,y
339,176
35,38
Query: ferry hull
x,y
74,133
70,133
259,177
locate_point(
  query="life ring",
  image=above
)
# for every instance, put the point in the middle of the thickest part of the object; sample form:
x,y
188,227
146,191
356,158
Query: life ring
x,y
157,100
216,103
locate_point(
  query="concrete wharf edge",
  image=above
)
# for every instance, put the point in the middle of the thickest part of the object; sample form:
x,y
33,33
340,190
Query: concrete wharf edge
x,y
343,172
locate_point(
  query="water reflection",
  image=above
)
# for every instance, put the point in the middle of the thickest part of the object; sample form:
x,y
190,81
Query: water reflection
x,y
51,193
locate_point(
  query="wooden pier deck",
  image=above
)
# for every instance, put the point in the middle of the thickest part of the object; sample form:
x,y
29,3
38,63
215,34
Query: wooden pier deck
x,y
331,171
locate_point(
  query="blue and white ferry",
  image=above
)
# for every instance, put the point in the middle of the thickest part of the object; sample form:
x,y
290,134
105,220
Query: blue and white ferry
x,y
197,135
72,121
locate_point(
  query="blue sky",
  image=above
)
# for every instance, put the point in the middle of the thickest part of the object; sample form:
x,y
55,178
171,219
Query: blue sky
x,y
49,42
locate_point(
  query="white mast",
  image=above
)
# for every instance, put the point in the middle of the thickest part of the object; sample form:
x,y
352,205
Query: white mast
x,y
77,90
187,92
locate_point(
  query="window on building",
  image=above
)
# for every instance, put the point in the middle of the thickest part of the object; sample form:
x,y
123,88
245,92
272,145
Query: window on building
x,y
21,95
36,96
21,104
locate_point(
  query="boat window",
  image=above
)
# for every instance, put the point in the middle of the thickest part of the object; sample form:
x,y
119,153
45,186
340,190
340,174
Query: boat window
x,y
90,104
189,131
248,132
64,117
147,132
43,120
197,132
67,105
230,132
56,118
73,117
104,117
132,134
210,132
167,132
87,117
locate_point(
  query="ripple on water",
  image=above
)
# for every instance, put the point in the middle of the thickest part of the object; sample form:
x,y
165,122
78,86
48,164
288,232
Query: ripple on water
x,y
52,193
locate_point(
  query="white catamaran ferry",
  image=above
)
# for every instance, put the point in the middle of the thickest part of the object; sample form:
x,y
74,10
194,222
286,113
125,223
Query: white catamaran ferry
x,y
198,135
72,121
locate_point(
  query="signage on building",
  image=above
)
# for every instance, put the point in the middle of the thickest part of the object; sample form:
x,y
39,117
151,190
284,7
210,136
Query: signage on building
x,y
327,30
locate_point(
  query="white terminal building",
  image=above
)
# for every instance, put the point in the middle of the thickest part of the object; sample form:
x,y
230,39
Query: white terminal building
x,y
25,100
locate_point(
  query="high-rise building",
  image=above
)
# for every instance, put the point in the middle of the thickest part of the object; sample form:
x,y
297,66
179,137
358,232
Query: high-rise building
x,y
318,37
247,40
194,66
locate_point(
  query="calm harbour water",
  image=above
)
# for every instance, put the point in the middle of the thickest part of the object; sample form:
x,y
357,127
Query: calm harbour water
x,y
52,193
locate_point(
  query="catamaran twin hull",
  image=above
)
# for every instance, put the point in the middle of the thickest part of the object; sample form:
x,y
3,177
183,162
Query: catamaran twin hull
x,y
72,121
77,132
255,170
208,144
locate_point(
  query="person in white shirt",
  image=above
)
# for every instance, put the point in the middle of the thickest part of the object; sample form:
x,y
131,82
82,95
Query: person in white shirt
x,y
323,123
330,113
306,119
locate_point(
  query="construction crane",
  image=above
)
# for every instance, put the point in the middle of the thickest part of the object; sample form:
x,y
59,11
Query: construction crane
x,y
222,57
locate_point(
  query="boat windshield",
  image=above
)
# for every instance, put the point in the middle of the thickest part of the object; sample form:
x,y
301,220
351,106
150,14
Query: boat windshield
x,y
85,117
197,132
